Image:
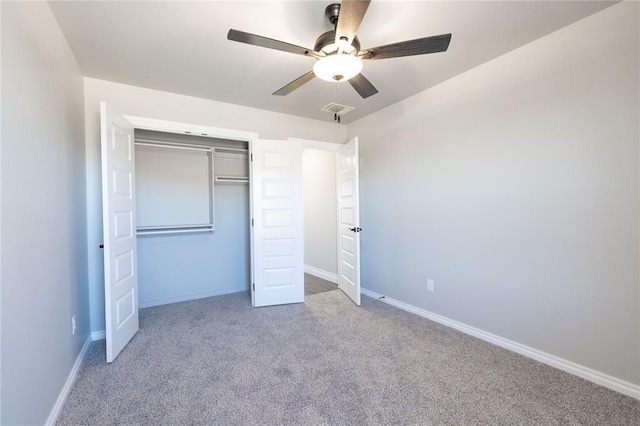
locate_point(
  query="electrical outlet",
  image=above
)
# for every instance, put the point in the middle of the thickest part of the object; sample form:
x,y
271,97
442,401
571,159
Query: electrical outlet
x,y
73,324
430,285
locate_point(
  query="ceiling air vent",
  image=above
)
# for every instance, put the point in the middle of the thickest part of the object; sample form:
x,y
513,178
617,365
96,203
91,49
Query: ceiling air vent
x,y
337,108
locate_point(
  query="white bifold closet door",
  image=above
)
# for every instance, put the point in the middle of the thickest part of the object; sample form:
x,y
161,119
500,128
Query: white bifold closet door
x,y
119,228
277,216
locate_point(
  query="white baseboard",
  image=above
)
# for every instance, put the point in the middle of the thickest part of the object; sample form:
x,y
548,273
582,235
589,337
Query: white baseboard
x,y
186,298
321,274
98,335
587,373
57,407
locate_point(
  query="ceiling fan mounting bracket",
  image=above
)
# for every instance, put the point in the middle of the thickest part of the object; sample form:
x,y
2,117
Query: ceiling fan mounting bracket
x,y
331,12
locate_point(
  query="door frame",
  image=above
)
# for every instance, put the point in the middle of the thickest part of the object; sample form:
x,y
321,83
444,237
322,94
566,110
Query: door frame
x,y
145,123
332,147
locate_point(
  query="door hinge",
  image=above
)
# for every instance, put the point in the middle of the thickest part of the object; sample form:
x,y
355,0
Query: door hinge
x,y
251,157
251,221
254,286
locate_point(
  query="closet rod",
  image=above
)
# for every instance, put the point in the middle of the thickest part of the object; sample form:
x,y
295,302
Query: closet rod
x,y
230,179
175,231
174,146
154,230
154,142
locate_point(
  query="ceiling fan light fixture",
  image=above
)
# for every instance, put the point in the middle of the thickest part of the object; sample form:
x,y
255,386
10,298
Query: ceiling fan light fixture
x,y
337,67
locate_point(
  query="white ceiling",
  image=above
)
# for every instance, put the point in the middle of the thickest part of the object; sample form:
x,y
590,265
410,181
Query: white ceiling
x,y
182,47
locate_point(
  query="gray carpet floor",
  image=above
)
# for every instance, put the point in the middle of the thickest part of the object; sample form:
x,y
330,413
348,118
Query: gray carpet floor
x,y
220,361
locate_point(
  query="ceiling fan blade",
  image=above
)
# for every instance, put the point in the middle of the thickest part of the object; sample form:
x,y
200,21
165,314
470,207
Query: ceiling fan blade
x,y
283,91
363,86
269,43
350,18
419,46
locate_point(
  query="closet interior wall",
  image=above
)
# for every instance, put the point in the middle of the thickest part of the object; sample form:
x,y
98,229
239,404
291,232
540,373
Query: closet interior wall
x,y
179,266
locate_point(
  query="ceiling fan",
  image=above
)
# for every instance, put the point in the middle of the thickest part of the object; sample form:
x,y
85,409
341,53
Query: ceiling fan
x,y
337,51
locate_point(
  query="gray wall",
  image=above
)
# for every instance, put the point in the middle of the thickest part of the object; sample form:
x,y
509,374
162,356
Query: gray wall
x,y
188,266
320,210
43,238
515,187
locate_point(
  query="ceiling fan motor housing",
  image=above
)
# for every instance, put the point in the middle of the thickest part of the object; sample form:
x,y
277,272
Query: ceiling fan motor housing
x,y
326,44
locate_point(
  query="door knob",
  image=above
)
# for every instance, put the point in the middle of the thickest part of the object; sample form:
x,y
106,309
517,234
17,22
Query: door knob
x,y
354,229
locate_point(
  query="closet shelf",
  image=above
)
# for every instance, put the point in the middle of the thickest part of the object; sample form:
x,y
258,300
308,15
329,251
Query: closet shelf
x,y
231,179
230,150
174,229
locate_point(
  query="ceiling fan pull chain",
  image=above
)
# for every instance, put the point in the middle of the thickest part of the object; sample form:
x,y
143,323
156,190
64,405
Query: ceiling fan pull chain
x,y
336,116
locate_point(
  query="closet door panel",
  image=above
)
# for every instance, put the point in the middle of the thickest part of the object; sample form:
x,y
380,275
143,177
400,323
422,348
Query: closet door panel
x,y
120,244
277,207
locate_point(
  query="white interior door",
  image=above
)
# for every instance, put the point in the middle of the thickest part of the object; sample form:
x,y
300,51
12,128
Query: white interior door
x,y
349,221
119,227
277,215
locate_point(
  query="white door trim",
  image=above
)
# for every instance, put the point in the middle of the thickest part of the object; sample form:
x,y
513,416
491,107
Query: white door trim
x,y
146,123
331,147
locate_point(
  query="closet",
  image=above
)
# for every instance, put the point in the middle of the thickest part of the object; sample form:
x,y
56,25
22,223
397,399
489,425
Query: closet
x,y
193,217
194,211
